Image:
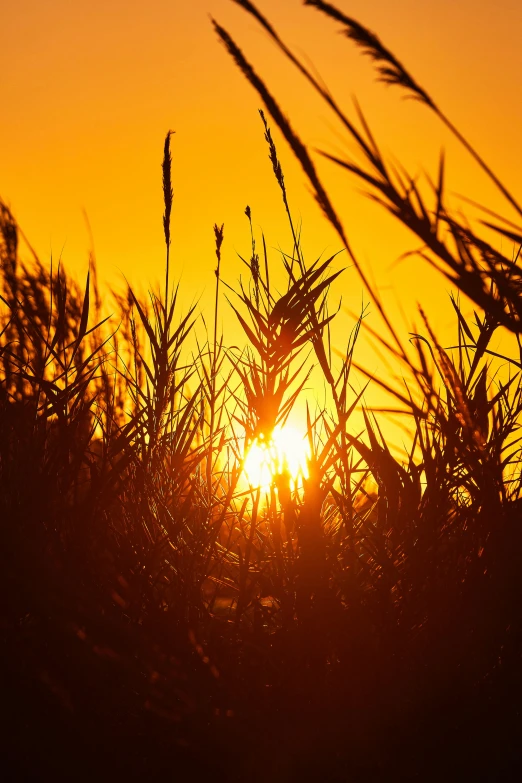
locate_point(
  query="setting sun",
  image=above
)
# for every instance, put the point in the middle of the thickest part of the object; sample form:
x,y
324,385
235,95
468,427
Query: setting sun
x,y
287,450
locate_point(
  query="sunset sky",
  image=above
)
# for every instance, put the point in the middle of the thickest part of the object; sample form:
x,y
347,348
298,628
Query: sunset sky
x,y
90,88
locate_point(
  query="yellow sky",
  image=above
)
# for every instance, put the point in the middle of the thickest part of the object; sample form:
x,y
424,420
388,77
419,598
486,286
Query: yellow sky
x,y
90,88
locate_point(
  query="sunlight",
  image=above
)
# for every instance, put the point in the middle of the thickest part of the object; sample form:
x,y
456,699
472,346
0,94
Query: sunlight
x,y
287,450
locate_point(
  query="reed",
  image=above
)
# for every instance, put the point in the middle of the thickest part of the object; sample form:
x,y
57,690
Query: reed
x,y
361,623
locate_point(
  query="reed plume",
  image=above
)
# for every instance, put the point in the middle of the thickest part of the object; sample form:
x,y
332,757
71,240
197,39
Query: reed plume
x,y
392,72
293,140
168,198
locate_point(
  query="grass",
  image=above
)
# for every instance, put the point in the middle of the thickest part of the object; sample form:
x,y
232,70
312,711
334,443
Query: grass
x,y
161,617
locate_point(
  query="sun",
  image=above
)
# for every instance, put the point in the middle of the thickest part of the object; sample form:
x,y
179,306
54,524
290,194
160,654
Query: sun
x,y
286,451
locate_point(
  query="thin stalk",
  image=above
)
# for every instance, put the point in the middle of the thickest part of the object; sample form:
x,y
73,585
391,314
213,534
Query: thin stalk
x,y
218,233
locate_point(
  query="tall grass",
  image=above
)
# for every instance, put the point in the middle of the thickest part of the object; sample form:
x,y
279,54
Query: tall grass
x,y
363,623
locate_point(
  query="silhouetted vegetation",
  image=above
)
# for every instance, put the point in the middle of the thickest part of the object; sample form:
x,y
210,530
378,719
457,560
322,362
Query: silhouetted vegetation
x,y
161,617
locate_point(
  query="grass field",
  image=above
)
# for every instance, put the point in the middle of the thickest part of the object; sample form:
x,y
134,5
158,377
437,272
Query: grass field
x,y
163,617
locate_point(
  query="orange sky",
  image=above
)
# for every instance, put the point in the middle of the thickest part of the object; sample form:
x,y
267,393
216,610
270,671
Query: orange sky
x,y
90,88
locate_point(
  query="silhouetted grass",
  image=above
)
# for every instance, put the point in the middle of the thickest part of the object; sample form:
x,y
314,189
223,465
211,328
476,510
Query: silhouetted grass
x,y
162,617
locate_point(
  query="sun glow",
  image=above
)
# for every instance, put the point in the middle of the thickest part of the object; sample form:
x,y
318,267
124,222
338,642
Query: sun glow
x,y
286,452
